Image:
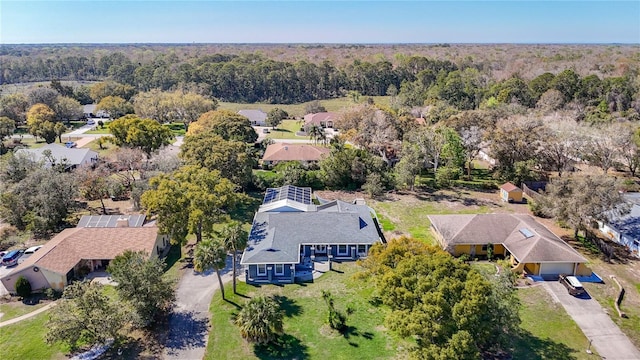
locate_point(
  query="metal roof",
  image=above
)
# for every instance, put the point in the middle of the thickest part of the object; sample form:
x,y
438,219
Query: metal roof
x,y
109,221
289,192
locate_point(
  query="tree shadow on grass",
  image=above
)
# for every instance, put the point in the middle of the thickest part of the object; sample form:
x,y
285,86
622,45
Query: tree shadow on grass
x,y
349,332
288,305
529,347
286,347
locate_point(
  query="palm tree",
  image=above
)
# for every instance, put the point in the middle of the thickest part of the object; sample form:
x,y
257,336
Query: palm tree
x,y
315,133
211,253
260,320
234,238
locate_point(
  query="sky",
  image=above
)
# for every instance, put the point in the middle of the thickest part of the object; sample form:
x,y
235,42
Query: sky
x,y
240,21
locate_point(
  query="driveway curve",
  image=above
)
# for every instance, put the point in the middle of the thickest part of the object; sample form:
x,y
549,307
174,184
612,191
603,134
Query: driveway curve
x,y
597,326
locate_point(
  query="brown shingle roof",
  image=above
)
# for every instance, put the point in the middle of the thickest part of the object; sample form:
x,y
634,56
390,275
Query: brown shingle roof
x,y
509,187
294,152
320,117
511,230
66,249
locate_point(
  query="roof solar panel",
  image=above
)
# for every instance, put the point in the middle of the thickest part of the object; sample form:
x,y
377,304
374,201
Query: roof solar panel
x,y
290,192
526,232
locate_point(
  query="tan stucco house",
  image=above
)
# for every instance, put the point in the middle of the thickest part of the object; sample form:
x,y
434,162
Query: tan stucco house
x,y
531,247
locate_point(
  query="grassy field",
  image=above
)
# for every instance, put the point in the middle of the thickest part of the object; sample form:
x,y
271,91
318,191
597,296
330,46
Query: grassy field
x,y
25,340
286,130
408,214
17,308
307,336
547,331
297,110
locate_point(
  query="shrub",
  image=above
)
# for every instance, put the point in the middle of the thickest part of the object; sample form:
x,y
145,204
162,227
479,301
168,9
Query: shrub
x,y
446,174
23,287
52,294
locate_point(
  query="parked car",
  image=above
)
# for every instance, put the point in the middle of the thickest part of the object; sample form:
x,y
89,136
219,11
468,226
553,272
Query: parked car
x,y
27,253
70,144
265,131
11,258
573,285
91,122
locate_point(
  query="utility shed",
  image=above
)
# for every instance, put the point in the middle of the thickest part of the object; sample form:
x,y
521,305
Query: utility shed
x,y
510,193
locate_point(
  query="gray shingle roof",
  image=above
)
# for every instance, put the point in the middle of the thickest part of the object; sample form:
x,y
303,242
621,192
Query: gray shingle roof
x,y
61,154
254,115
276,236
511,230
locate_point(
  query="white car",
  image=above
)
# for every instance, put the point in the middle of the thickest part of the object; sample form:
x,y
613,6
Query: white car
x,y
27,253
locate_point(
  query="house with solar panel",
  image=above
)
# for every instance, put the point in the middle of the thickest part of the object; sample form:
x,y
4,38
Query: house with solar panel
x,y
530,246
291,232
77,252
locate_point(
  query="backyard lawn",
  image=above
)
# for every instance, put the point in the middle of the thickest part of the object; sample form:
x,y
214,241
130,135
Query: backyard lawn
x,y
307,336
407,214
286,130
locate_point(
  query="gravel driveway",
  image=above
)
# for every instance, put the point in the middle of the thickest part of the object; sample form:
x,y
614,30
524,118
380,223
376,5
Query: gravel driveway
x,y
606,337
189,322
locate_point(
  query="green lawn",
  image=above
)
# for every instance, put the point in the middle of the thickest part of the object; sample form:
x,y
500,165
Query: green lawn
x,y
409,216
307,336
14,309
25,340
547,331
286,130
298,109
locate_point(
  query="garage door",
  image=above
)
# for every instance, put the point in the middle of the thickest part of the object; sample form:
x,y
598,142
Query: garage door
x,y
556,268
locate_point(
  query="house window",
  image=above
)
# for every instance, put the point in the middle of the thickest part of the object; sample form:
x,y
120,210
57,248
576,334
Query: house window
x,y
279,269
343,250
484,247
262,270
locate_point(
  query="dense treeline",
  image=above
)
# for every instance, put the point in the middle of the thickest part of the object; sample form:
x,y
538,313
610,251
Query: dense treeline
x,y
253,77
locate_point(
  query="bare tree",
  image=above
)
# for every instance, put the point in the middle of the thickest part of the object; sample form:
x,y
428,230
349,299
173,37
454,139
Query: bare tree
x,y
472,140
600,148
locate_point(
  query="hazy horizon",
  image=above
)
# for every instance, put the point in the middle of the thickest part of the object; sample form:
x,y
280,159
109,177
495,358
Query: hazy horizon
x,y
319,22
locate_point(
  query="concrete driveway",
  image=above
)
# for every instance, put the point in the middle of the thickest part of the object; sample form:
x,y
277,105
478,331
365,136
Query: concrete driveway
x,y
597,326
189,322
4,271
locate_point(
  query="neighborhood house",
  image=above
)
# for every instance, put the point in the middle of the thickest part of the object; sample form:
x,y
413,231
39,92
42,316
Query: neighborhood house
x,y
625,228
290,232
303,153
532,248
76,252
257,117
321,119
54,154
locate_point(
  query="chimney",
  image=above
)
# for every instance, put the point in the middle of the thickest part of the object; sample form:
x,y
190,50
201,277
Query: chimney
x,y
122,222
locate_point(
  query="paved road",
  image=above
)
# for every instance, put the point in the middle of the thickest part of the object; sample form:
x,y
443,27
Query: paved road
x,y
189,323
606,337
